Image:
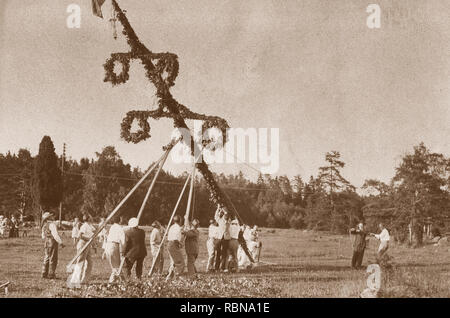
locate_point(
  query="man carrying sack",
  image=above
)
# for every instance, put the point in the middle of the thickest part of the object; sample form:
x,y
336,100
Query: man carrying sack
x,y
174,247
51,240
134,249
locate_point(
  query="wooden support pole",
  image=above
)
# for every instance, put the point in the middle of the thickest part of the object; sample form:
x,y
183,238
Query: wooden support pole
x,y
111,215
168,226
188,208
147,195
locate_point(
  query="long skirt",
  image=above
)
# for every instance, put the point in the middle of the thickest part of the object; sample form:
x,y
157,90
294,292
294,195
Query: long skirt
x,y
243,260
82,269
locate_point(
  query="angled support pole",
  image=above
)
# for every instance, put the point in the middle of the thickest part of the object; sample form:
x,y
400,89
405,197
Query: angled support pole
x,y
111,215
161,164
168,226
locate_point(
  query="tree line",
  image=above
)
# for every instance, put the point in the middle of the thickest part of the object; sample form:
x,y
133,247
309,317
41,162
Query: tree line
x,y
418,192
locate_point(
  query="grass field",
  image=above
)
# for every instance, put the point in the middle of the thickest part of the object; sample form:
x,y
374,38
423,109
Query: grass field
x,y
295,264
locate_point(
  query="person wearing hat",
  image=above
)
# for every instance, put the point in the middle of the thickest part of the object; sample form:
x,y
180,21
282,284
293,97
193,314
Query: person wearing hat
x,y
174,247
223,220
51,239
134,249
212,245
233,246
155,242
191,246
114,244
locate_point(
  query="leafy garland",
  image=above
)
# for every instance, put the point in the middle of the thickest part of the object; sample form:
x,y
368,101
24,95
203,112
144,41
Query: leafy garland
x,y
141,134
162,70
110,75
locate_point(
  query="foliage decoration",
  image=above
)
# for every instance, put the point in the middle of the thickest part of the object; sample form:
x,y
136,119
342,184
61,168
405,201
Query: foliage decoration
x,y
110,75
161,70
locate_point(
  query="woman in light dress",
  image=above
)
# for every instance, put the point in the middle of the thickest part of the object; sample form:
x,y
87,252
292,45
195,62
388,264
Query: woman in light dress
x,y
83,267
252,244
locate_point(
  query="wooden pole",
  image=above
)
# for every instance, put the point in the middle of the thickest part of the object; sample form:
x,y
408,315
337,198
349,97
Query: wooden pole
x,y
62,178
147,195
111,215
188,208
168,226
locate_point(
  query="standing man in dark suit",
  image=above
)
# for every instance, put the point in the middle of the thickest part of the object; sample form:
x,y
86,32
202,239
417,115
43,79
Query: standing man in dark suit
x,y
359,245
134,249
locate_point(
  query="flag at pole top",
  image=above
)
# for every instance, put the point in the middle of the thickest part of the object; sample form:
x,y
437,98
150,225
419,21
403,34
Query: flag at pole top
x,y
97,7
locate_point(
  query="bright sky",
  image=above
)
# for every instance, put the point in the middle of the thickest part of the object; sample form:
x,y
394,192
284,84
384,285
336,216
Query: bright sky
x,y
313,69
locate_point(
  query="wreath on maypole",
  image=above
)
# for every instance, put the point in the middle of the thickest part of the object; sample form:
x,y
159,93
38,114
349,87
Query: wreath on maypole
x,y
161,69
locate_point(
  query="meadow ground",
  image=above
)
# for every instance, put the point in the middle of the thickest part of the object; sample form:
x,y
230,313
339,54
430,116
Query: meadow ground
x,y
296,263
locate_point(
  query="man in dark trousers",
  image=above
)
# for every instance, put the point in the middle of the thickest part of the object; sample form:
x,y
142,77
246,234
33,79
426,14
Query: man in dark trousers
x,y
191,245
51,239
359,245
134,249
224,221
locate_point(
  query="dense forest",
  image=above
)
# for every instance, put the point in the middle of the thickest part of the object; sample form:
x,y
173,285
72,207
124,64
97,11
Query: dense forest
x,y
418,192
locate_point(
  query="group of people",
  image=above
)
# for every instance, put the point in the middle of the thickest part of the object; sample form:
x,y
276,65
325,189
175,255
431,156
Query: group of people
x,y
124,246
9,228
361,236
231,246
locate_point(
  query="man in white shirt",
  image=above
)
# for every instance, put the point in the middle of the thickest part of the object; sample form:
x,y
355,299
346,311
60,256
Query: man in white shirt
x,y
384,242
113,248
223,220
174,247
233,246
155,242
212,245
52,239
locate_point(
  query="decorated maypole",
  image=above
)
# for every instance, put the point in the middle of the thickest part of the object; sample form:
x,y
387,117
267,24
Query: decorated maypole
x,y
161,70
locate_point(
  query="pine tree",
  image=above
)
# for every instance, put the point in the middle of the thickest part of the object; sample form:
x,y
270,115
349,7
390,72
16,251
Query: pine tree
x,y
47,181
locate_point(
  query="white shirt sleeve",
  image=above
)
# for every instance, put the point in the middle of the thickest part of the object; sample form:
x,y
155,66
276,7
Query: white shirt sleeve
x,y
54,231
383,236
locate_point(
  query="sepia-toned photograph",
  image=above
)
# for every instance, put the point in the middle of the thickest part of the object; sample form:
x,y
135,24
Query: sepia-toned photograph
x,y
242,150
